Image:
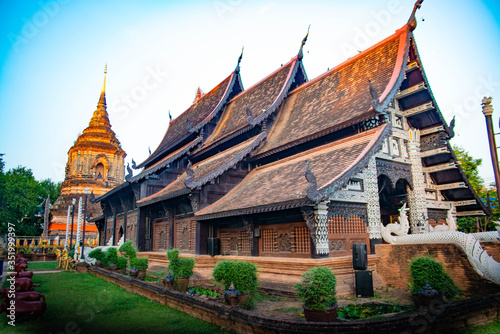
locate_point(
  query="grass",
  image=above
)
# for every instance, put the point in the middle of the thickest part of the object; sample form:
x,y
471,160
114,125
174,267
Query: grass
x,y
492,328
83,303
42,265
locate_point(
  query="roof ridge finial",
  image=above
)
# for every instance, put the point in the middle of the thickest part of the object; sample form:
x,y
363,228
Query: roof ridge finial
x,y
300,55
237,69
412,21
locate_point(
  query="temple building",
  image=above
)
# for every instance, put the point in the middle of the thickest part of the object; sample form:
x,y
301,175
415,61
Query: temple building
x,y
95,164
293,167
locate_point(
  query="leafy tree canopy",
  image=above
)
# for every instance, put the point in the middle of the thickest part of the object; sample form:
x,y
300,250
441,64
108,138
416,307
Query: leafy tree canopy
x,y
22,199
470,168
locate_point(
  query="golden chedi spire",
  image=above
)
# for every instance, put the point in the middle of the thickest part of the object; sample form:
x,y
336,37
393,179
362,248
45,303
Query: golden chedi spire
x,y
95,162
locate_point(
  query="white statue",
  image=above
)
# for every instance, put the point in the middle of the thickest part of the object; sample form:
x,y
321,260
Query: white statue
x,y
451,224
395,228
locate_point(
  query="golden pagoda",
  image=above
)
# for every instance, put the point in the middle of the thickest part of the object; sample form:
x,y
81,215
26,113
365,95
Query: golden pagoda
x,y
96,163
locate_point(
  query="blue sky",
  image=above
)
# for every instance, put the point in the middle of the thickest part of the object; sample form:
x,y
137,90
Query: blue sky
x,y
53,52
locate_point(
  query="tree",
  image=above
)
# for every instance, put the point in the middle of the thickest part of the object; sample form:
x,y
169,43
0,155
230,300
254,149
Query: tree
x,y
22,200
470,168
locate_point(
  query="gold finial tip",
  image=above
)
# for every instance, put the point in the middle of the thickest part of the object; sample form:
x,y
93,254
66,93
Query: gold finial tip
x,y
106,69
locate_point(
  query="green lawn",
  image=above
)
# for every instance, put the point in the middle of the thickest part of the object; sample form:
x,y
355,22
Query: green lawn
x,y
83,303
42,265
486,329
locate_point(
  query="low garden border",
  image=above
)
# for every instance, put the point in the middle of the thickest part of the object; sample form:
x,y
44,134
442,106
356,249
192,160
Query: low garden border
x,y
465,313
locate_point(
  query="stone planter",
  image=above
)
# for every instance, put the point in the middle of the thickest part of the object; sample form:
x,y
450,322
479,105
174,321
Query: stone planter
x,y
426,297
168,282
181,284
232,296
134,272
321,316
243,298
142,274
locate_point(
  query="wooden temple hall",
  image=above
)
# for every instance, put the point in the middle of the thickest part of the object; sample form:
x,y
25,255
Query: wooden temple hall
x,y
297,167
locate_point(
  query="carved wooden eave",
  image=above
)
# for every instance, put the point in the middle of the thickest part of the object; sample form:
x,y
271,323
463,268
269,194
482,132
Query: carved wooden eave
x,y
192,184
259,209
357,166
167,196
418,104
167,160
112,192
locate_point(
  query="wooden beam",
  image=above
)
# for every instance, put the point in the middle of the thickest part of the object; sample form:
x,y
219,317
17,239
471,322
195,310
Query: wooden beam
x,y
470,213
428,131
434,152
463,203
411,90
443,205
418,109
446,186
412,66
438,168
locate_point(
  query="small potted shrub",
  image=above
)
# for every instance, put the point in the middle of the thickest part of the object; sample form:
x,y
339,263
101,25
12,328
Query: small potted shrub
x,y
425,269
181,269
317,291
141,264
243,276
121,264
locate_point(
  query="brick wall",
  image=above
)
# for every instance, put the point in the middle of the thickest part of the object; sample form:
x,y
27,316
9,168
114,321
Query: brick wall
x,y
493,249
394,265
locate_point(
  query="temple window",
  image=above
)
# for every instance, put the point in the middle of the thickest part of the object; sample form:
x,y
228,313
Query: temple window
x,y
99,171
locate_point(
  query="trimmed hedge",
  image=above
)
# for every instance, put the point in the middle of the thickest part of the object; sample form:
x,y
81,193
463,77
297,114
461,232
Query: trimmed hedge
x,y
182,268
242,274
424,269
317,288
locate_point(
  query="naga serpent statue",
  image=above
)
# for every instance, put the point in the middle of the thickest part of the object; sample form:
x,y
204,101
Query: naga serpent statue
x,y
483,263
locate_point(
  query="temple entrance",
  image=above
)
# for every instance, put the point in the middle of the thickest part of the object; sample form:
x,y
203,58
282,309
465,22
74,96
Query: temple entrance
x,y
391,198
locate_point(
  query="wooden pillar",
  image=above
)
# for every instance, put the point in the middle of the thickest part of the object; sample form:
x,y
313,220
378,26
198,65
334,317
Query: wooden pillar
x,y
201,238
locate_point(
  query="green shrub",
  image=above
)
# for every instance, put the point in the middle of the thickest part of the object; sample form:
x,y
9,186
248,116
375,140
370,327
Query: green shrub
x,y
179,267
185,268
317,289
140,263
242,274
97,254
121,262
111,255
129,251
173,261
425,268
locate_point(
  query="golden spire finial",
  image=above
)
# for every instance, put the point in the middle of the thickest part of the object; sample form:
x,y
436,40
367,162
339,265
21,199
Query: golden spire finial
x,y
105,72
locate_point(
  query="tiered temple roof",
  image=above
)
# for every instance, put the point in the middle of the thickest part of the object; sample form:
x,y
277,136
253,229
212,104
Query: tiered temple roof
x,y
303,140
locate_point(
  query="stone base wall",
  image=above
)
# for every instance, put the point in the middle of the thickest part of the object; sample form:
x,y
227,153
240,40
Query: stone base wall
x,y
444,319
394,266
278,273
